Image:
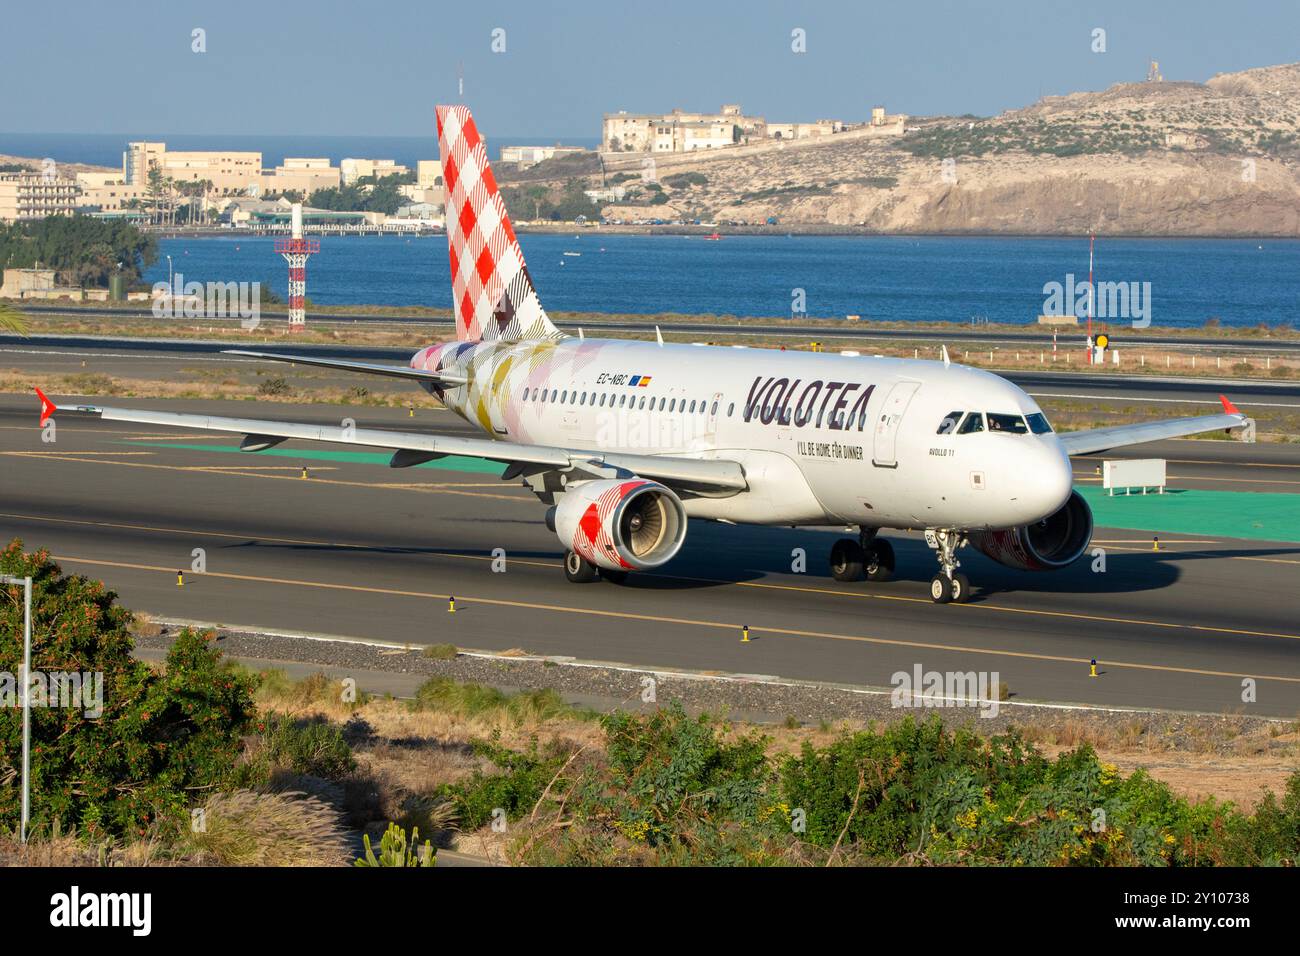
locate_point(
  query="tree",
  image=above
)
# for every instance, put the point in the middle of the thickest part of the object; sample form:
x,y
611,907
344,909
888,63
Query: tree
x,y
140,751
82,250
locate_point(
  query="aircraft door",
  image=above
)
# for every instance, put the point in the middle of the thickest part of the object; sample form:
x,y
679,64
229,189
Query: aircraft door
x,y
884,449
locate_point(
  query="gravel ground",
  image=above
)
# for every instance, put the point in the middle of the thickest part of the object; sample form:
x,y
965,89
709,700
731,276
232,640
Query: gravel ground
x,y
763,700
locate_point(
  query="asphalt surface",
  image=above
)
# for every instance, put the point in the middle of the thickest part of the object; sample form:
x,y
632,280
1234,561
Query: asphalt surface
x,y
159,359
1036,338
360,550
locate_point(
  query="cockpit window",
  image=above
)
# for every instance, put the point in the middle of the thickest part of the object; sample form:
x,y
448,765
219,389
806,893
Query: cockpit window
x,y
1038,423
974,423
1014,424
949,423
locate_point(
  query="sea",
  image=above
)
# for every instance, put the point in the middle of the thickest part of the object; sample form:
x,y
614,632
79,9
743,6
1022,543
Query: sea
x,y
1175,283
105,149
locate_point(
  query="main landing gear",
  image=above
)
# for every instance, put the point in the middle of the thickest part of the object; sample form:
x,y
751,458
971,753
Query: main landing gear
x,y
949,584
868,557
578,570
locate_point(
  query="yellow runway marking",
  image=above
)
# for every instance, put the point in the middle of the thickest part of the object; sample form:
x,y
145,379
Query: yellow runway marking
x,y
806,589
221,470
58,454
689,622
801,588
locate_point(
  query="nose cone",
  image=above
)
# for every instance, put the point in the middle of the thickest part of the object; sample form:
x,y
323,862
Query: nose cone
x,y
1046,481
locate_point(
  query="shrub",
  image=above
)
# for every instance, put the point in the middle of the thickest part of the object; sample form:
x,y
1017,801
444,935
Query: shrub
x,y
275,385
474,700
514,790
440,652
161,737
314,746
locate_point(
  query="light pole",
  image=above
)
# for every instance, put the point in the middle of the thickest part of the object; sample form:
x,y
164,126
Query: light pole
x,y
169,274
26,700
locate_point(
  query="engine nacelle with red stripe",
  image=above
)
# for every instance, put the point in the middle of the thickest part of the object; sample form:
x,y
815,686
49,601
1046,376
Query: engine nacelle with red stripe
x,y
1058,540
631,525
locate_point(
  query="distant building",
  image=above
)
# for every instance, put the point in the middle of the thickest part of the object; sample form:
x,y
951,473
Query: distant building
x,y
110,197
302,175
525,156
679,131
428,173
27,196
230,172
683,132
354,169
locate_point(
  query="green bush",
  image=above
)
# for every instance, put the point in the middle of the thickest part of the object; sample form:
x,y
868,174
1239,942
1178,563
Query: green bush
x,y
314,746
515,790
161,739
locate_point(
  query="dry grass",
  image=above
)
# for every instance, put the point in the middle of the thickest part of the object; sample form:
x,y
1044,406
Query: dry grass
x,y
245,828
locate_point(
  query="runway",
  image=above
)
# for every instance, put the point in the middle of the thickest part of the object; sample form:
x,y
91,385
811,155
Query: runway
x,y
158,358
1033,336
358,549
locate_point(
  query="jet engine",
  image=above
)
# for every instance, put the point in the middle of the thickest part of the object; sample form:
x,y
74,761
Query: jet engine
x,y
620,525
1047,545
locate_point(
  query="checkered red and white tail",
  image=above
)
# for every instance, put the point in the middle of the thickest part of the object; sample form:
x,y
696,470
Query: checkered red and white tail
x,y
493,292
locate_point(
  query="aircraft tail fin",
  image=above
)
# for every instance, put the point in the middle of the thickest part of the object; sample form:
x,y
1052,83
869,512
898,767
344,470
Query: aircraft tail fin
x,y
493,291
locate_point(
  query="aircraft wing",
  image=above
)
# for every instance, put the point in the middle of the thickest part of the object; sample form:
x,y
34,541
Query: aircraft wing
x,y
368,368
1102,439
707,475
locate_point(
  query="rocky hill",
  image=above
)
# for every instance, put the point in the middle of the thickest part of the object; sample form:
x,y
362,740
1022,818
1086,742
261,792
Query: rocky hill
x,y
1220,158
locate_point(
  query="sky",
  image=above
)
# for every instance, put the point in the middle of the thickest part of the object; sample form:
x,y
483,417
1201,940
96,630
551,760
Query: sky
x,y
358,68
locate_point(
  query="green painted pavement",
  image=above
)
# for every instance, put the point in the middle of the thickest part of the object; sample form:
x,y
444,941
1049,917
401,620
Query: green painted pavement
x,y
1231,514
450,463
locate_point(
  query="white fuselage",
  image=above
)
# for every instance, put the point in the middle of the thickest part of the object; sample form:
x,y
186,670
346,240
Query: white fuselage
x,y
823,439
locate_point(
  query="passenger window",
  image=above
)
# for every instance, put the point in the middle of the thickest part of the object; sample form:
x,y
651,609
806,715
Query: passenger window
x,y
641,404
731,408
525,395
564,396
692,407
622,400
672,406
949,423
554,392
974,423
715,409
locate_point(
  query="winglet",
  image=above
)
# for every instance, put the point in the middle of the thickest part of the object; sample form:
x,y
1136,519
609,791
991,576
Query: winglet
x,y
1228,407
48,408
943,352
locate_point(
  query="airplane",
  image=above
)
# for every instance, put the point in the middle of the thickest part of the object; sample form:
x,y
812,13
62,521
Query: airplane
x,y
627,441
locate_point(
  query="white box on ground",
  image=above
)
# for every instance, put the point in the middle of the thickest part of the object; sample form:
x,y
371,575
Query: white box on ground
x,y
1133,473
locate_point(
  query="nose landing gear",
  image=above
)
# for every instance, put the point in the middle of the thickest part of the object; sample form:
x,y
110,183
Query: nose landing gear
x,y
949,584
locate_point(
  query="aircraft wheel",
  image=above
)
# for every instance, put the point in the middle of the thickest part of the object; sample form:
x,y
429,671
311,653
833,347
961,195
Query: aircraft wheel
x,y
880,561
960,588
940,589
614,577
577,569
847,558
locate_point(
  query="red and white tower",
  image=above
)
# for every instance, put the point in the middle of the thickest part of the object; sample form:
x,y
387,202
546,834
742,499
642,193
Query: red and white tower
x,y
295,250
